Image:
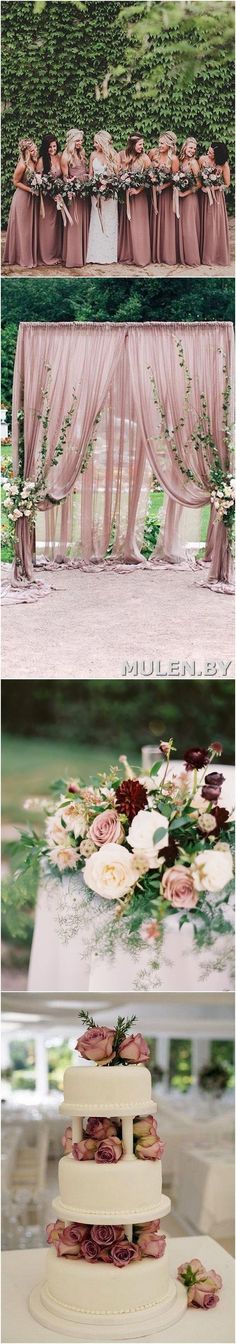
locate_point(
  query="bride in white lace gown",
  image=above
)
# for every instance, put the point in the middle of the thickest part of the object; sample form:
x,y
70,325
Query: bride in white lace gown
x,y
103,228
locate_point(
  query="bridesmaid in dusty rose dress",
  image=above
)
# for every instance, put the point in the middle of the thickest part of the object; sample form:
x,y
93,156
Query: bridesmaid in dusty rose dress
x,y
163,223
75,236
50,224
21,239
214,244
188,229
134,244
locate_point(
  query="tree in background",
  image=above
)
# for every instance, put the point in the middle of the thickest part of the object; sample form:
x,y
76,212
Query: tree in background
x,y
121,715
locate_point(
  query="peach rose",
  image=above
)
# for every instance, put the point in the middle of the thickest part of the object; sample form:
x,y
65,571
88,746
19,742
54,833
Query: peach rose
x,y
178,888
106,829
67,1139
97,1044
134,1049
85,1150
150,1147
144,1125
54,1232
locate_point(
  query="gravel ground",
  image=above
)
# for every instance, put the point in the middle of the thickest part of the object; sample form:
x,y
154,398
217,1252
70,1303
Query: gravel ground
x,y
90,624
119,270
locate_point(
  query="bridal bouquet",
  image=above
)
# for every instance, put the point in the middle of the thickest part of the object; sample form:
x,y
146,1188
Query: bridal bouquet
x,y
184,181
210,177
148,846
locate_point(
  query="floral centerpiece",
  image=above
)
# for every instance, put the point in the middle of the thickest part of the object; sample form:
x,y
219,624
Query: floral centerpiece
x,y
143,848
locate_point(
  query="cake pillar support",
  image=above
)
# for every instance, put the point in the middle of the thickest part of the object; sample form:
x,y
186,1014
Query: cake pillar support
x,y
77,1129
129,1231
127,1136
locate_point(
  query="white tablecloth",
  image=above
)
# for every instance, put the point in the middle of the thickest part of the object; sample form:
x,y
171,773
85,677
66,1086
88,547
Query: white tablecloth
x,y
205,1189
22,1270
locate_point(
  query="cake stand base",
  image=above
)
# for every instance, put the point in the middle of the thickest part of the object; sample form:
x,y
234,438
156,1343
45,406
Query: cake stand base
x,y
134,1325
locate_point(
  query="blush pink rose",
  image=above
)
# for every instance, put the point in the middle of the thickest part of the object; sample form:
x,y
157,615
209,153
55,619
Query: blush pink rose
x,y
106,829
100,1129
89,1251
106,1236
202,1297
97,1044
123,1252
201,1284
144,1125
54,1231
109,1150
85,1150
67,1139
178,888
70,1240
134,1049
150,1244
150,1147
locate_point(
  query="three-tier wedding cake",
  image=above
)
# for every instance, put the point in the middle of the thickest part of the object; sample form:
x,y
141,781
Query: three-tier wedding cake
x,y
110,1201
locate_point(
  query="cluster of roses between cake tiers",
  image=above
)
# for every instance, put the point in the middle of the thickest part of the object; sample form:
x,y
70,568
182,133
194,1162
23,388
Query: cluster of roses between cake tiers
x,y
80,1241
102,1142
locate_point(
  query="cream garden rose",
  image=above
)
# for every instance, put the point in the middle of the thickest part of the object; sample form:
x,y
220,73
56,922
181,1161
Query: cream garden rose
x,y
212,869
110,872
141,835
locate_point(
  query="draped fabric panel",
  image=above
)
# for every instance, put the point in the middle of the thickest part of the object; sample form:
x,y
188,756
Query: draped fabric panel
x,y
109,368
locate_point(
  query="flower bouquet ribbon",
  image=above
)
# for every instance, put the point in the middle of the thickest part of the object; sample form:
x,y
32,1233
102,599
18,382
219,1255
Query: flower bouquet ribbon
x,y
157,178
182,182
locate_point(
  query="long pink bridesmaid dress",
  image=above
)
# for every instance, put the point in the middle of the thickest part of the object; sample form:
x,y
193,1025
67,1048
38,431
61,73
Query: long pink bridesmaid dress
x,y
50,233
21,238
188,230
75,236
214,231
134,242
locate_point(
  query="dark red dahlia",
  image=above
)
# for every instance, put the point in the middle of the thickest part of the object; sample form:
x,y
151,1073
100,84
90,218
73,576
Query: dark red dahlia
x,y
131,797
196,757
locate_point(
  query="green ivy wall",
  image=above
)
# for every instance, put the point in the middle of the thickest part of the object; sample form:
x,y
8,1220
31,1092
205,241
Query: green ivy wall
x,y
52,62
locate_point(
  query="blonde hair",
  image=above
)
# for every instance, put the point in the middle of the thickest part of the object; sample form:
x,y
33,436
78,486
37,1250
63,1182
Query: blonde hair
x,y
170,138
71,138
105,141
25,144
184,147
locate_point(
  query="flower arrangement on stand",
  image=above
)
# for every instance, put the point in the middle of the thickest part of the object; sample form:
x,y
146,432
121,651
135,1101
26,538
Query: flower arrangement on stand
x,y
148,847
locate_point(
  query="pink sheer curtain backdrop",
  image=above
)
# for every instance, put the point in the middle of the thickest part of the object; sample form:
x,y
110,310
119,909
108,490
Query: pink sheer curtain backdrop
x,y
108,366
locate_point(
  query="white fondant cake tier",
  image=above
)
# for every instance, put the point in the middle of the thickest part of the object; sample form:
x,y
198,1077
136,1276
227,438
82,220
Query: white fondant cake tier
x,y
108,1091
99,1289
121,1192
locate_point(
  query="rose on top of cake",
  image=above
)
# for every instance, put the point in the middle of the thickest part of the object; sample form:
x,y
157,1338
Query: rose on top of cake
x,y
102,1141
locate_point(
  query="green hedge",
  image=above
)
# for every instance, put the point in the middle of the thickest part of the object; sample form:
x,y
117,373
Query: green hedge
x,y
52,62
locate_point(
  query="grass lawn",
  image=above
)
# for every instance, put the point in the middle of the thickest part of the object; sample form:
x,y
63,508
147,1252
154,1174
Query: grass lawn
x,y
30,765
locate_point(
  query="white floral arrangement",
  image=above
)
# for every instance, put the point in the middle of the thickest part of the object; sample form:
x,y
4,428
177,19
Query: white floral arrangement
x,y
150,845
